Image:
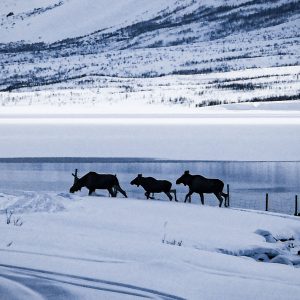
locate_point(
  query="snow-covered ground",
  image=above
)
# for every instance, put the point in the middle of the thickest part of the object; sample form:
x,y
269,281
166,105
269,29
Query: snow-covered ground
x,y
163,95
73,247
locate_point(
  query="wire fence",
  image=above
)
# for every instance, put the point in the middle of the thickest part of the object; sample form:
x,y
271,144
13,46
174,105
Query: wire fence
x,y
273,203
277,202
286,203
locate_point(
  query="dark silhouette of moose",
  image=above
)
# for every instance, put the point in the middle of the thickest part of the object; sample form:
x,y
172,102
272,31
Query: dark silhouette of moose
x,y
93,181
152,185
201,185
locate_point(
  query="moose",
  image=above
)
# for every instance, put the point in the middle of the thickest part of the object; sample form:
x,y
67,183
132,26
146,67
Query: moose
x,y
201,185
93,181
152,185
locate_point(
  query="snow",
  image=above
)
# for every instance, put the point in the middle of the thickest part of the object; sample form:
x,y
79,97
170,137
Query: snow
x,y
95,96
59,20
139,113
74,17
181,137
174,94
98,43
112,248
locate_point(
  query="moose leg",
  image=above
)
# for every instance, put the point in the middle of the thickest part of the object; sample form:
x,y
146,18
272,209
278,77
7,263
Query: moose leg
x,y
118,188
188,195
174,192
218,195
169,195
226,199
202,198
111,192
91,191
147,194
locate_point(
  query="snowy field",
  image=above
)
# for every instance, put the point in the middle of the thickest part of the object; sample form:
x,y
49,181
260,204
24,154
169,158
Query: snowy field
x,y
73,247
166,94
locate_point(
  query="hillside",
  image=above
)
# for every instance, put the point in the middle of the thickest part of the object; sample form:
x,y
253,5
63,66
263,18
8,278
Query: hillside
x,y
64,41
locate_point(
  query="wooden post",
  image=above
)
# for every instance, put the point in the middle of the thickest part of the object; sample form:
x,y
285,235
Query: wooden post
x,y
75,175
228,196
267,201
296,205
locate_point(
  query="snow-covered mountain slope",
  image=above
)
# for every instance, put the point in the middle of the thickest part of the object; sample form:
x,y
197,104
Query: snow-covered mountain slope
x,y
58,41
138,21
53,20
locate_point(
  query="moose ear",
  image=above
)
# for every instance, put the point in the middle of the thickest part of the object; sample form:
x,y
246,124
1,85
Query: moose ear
x,y
140,175
187,172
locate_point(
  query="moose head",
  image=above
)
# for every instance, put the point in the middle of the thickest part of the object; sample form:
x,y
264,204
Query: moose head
x,y
76,185
137,181
184,178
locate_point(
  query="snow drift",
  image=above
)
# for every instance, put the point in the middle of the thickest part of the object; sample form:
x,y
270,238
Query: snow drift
x,y
116,248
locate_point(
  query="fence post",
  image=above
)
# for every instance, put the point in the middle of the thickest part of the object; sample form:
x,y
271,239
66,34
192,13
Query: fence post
x,y
296,205
228,197
267,201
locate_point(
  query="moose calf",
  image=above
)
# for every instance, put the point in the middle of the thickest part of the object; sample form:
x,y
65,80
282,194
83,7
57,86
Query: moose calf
x,y
152,185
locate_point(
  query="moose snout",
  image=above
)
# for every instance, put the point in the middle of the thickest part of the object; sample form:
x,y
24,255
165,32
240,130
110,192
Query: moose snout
x,y
134,182
73,189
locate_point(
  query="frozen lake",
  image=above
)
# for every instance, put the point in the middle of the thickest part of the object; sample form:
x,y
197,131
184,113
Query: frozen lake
x,y
214,137
249,181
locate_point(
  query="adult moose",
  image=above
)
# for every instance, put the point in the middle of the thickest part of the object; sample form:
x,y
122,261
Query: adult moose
x,y
201,185
152,185
93,181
